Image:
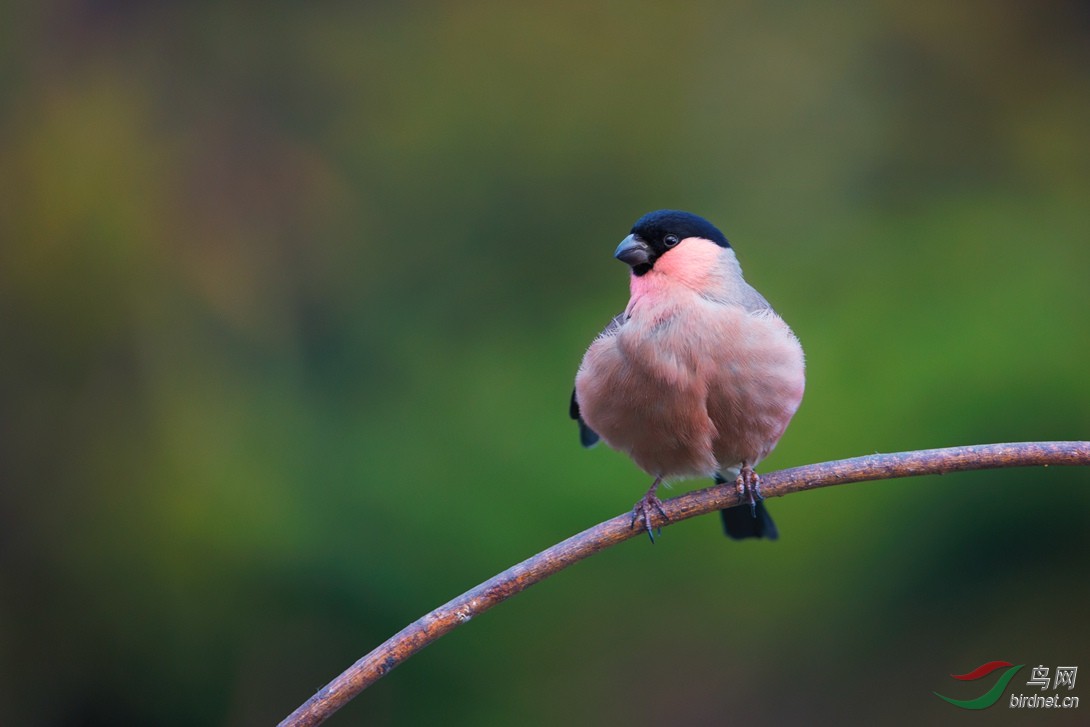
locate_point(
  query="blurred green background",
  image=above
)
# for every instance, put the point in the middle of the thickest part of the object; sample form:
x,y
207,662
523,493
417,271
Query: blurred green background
x,y
291,299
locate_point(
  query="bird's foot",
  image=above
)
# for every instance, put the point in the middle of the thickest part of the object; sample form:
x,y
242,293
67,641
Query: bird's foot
x,y
645,508
749,487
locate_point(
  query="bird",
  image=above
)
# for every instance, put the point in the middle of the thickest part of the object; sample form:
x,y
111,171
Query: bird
x,y
698,377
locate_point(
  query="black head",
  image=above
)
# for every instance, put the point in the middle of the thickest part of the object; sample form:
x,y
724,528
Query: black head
x,y
657,232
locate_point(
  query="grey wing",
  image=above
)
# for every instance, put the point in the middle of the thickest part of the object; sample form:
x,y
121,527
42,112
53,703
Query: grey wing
x,y
753,301
745,296
587,436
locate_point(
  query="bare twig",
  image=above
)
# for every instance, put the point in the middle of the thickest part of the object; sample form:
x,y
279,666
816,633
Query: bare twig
x,y
422,632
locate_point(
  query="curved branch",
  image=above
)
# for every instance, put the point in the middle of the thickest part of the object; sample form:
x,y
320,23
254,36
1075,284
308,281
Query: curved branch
x,y
427,629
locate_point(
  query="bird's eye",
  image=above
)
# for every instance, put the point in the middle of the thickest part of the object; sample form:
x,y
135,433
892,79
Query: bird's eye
x,y
670,240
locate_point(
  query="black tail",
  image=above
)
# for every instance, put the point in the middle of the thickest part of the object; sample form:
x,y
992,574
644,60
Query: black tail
x,y
748,521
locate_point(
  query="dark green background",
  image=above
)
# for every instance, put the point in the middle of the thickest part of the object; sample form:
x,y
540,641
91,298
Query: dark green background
x,y
291,299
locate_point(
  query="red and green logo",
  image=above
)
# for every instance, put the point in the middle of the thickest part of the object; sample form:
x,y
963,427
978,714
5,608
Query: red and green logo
x,y
991,696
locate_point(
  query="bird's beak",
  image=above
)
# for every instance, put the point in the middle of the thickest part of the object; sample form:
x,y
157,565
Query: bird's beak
x,y
633,251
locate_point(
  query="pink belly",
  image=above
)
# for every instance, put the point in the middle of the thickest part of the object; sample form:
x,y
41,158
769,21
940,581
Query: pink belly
x,y
685,400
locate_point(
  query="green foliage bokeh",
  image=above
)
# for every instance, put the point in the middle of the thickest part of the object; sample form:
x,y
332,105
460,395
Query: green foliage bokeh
x,y
291,299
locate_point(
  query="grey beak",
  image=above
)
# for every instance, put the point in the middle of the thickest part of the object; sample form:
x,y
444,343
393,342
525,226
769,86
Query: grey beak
x,y
633,251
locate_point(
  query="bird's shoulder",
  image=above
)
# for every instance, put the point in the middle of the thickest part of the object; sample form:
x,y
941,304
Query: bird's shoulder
x,y
614,325
742,296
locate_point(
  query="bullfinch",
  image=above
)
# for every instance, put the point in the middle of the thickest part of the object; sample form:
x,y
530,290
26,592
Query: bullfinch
x,y
698,377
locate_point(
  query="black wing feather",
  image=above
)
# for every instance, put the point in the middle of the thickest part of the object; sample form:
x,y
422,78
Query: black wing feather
x,y
587,436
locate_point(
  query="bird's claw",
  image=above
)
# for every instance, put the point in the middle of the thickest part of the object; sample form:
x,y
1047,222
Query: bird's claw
x,y
642,511
749,487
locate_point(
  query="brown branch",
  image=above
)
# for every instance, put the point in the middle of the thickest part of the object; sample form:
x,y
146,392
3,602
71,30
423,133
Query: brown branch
x,y
422,632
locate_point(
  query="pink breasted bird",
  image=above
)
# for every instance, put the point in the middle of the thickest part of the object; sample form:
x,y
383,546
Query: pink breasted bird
x,y
699,377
